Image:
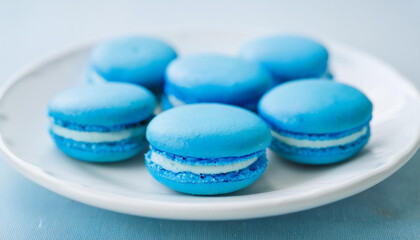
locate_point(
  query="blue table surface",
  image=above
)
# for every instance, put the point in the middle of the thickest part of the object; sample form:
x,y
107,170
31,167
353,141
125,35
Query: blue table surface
x,y
386,29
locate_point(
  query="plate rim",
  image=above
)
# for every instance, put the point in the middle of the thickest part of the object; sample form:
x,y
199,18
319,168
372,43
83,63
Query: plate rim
x,y
152,208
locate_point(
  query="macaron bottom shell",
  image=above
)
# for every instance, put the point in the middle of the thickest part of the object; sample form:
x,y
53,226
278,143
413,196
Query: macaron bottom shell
x,y
207,184
100,152
319,156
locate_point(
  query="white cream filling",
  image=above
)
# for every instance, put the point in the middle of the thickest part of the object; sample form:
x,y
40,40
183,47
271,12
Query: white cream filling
x,y
98,137
175,101
177,167
305,143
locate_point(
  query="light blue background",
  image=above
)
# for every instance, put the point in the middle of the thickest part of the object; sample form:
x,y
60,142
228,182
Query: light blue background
x,y
387,29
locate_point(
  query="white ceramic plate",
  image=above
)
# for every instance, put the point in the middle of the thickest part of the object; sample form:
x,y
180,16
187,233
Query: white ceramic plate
x,y
128,188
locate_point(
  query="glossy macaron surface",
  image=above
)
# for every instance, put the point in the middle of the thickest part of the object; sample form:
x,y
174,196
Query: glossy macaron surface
x,y
103,104
216,78
313,106
134,59
208,131
288,57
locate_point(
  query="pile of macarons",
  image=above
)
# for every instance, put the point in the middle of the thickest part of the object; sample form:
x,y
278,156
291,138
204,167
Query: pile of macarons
x,y
209,118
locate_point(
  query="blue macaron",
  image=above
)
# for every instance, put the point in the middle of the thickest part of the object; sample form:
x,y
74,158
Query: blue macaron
x,y
133,59
316,122
288,57
207,149
101,122
216,78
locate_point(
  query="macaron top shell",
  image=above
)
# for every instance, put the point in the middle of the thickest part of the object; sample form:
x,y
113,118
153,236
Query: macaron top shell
x,y
136,59
103,104
208,131
216,78
288,57
313,106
